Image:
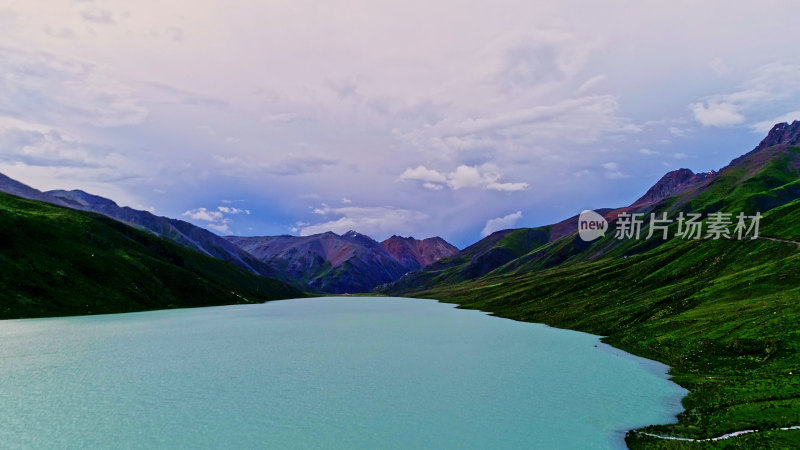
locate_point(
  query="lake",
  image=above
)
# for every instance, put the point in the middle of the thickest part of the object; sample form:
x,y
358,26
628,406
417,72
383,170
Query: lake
x,y
320,373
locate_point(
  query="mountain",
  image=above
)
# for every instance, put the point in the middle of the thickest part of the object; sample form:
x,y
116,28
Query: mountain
x,y
415,254
14,187
474,261
56,261
178,231
352,262
722,313
673,183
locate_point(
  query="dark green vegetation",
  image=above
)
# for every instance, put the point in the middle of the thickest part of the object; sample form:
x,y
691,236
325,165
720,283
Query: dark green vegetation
x,y
723,314
56,261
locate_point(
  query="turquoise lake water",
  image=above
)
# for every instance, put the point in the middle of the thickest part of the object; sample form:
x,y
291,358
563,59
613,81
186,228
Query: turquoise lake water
x,y
320,373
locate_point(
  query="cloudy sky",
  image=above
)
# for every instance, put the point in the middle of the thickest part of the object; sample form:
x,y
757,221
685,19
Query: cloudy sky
x,y
450,118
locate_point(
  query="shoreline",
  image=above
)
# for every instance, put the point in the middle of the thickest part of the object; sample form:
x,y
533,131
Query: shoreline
x,y
651,365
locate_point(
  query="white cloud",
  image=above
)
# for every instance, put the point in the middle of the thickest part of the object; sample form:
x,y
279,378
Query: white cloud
x,y
218,219
591,83
322,210
616,175
539,114
507,187
769,85
432,186
613,172
501,223
229,210
221,228
716,114
464,176
675,131
422,173
647,151
346,200
204,215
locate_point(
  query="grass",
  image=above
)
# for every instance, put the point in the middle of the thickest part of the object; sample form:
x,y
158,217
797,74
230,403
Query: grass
x,y
56,262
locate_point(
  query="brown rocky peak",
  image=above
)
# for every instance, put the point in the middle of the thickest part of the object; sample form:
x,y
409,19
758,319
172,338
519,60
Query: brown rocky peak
x,y
782,134
673,183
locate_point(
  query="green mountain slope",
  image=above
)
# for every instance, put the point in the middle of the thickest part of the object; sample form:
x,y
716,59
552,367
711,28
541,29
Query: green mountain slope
x,y
476,260
56,261
723,314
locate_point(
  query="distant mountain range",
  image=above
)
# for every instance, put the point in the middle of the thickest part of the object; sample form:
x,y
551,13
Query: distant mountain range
x,y
326,263
352,262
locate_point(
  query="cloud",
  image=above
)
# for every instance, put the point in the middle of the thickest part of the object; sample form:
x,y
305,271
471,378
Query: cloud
x,y
581,173
538,114
378,222
422,173
281,118
507,187
290,165
77,92
769,85
539,58
501,223
464,176
433,186
613,172
96,14
322,210
346,200
591,83
167,94
228,210
647,151
217,220
221,228
204,215
675,131
611,166
716,114
51,155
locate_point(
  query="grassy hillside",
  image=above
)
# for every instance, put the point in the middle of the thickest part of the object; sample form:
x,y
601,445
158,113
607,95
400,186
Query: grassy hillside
x,y
723,314
56,261
476,260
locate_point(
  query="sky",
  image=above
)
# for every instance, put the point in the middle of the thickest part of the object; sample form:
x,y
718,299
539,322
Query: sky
x,y
416,118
